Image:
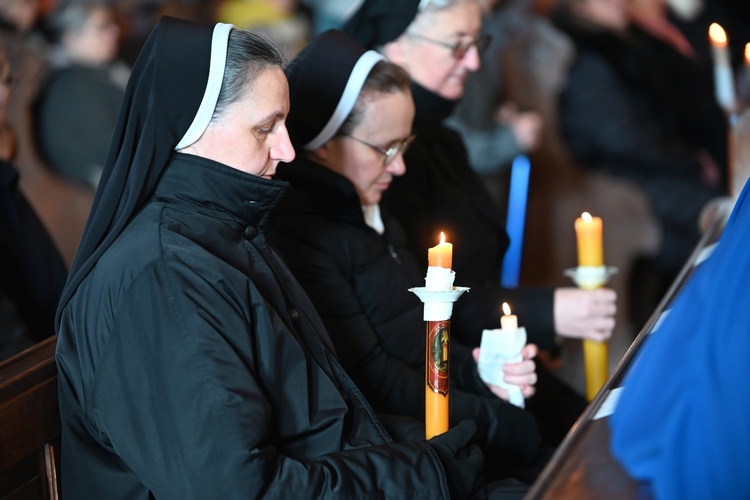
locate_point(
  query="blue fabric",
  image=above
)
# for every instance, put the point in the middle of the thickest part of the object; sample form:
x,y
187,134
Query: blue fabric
x,y
515,220
683,421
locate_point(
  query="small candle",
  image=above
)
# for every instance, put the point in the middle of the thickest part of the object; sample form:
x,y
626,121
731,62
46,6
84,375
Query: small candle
x,y
441,255
589,238
508,321
723,76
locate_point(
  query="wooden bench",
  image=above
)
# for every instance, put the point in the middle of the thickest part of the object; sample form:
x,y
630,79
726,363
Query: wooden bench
x,y
29,424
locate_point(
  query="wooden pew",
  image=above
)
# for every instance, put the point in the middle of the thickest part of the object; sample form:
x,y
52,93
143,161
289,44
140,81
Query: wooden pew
x,y
29,424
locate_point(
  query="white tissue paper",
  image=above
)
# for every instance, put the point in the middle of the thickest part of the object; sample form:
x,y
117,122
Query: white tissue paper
x,y
498,347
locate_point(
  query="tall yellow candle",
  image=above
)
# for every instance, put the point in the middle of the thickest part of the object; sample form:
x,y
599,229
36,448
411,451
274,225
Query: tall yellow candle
x,y
437,369
441,255
590,253
437,354
589,238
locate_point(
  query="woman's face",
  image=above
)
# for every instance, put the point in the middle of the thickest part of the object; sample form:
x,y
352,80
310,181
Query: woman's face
x,y
385,122
251,134
430,63
97,40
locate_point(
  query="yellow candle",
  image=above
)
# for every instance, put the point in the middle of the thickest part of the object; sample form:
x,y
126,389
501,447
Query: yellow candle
x,y
590,253
437,369
508,321
441,255
595,364
589,237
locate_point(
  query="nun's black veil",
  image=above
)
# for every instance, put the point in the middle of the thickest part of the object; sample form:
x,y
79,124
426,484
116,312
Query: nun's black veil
x,y
162,98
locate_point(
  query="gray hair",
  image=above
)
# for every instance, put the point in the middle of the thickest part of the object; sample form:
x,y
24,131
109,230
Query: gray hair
x,y
428,7
248,55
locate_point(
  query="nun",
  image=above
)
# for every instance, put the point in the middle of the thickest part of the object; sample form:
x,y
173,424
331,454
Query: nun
x,y
439,42
351,126
191,364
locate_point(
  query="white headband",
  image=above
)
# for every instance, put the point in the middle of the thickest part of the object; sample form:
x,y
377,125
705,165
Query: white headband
x,y
219,43
348,98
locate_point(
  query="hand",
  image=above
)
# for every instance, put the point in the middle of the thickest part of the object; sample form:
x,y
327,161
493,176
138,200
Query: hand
x,y
526,125
462,461
522,374
585,314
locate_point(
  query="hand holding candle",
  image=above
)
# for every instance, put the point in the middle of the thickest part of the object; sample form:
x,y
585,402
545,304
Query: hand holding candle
x,y
501,346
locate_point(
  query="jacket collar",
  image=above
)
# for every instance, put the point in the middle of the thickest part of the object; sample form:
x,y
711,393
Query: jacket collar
x,y
314,185
430,107
213,186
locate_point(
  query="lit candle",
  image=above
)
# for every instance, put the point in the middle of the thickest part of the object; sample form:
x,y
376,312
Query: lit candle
x,y
441,255
723,77
589,238
508,321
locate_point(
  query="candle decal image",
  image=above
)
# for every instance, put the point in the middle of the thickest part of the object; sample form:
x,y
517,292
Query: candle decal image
x,y
723,74
590,274
438,296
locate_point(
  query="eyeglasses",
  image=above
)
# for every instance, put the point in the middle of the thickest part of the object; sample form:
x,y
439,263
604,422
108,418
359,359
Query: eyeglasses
x,y
461,47
390,153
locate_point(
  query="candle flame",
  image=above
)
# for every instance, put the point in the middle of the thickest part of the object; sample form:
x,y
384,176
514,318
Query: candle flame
x,y
442,237
506,308
586,217
717,35
747,54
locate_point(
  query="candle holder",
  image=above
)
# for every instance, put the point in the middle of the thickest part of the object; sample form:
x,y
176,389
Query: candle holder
x,y
590,277
594,353
438,308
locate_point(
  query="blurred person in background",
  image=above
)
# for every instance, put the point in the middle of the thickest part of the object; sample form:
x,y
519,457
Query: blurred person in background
x,y
76,109
637,105
33,273
494,130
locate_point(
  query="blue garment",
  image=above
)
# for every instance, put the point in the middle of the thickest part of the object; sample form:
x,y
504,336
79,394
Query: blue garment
x,y
683,421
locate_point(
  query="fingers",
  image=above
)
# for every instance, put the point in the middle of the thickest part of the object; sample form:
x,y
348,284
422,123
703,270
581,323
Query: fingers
x,y
587,314
529,351
523,373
